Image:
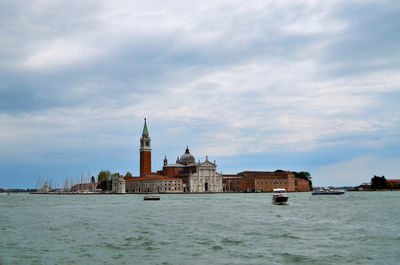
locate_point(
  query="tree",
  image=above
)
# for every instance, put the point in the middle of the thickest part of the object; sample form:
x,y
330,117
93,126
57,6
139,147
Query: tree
x,y
303,175
378,182
115,175
104,175
92,180
104,179
105,185
128,174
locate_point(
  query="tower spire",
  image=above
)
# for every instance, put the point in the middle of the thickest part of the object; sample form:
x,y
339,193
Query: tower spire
x,y
145,151
145,130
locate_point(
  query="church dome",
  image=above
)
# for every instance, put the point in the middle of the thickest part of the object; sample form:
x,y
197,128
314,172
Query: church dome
x,y
186,158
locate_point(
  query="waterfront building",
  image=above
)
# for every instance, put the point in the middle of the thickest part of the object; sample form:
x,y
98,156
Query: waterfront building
x,y
228,182
118,185
205,178
153,183
302,185
393,183
185,175
264,181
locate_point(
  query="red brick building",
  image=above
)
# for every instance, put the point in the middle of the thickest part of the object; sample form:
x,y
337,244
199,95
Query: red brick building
x,y
184,166
302,185
393,183
263,181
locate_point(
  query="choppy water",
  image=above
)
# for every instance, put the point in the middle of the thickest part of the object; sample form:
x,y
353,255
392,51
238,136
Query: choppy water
x,y
354,228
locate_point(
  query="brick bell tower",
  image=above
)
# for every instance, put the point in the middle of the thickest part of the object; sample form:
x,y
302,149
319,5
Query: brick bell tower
x,y
145,151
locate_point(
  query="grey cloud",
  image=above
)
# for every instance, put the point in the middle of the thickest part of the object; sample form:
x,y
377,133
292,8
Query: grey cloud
x,y
138,64
228,78
370,41
134,63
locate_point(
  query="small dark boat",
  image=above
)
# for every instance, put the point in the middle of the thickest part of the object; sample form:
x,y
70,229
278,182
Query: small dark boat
x,y
151,198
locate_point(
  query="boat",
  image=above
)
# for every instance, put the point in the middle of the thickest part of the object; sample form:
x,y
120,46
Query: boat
x,y
280,196
327,191
151,198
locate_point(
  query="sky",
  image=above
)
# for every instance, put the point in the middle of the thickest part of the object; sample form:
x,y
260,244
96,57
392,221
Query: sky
x,y
301,85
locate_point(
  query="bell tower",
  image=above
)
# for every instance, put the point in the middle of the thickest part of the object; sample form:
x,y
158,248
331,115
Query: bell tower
x,y
145,151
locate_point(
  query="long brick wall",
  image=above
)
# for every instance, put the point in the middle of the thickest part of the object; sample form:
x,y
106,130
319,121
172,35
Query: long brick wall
x,y
262,181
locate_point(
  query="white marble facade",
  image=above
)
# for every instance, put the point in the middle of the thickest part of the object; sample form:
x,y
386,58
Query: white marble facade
x,y
205,178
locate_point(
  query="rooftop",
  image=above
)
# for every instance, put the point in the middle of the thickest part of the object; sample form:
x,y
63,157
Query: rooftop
x,y
150,177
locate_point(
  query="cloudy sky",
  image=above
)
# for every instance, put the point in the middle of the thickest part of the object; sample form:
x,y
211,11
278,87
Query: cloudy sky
x,y
255,85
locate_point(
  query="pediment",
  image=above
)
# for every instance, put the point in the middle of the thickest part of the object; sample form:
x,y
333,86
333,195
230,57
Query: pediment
x,y
206,164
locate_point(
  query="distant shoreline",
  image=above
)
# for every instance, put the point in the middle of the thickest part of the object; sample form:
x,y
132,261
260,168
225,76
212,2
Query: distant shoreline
x,y
147,193
137,193
373,190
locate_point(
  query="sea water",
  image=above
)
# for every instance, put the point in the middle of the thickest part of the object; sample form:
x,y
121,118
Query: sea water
x,y
236,228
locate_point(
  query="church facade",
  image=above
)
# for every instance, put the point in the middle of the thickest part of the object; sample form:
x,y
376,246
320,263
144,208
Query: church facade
x,y
196,177
205,178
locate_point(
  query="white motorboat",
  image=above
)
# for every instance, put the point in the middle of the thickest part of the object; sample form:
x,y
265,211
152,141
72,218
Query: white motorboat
x,y
328,191
280,196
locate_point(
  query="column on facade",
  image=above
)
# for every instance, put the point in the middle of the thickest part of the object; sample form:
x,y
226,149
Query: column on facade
x,y
203,178
212,176
199,183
